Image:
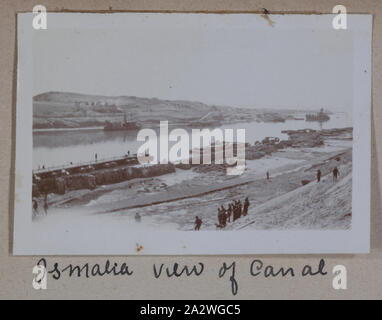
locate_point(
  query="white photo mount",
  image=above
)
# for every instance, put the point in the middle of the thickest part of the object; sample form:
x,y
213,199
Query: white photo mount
x,y
32,239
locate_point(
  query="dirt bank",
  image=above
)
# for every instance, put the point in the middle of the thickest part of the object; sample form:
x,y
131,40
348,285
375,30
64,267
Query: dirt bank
x,y
175,198
308,207
196,195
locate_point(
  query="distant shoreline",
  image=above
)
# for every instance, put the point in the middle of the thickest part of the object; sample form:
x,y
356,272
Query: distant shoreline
x,y
156,125
67,129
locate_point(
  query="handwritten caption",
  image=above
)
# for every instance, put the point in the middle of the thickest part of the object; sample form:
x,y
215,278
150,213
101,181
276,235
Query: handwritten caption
x,y
226,271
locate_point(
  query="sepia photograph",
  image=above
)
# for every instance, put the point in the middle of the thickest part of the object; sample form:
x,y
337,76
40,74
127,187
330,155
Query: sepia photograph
x,y
179,133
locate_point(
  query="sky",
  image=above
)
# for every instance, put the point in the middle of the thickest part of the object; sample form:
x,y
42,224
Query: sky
x,y
231,63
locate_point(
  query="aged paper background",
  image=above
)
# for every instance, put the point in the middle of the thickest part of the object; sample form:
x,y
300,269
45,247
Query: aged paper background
x,y
364,276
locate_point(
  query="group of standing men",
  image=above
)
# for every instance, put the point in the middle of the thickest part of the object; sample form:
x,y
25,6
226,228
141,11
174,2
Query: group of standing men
x,y
235,210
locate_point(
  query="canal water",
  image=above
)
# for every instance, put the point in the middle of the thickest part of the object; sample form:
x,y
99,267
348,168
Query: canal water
x,y
61,147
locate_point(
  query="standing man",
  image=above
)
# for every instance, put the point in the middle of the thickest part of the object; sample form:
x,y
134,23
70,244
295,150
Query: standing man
x,y
96,156
239,207
318,175
235,211
246,205
267,175
229,212
198,223
223,216
336,173
224,219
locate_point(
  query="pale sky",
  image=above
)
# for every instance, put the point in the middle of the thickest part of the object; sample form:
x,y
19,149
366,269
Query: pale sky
x,y
215,64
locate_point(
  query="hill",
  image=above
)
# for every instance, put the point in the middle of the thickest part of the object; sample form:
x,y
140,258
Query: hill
x,y
74,110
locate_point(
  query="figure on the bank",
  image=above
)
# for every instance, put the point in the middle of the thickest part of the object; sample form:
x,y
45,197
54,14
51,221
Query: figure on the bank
x,y
318,175
198,223
267,175
246,205
229,212
219,215
236,210
222,218
336,174
137,217
96,156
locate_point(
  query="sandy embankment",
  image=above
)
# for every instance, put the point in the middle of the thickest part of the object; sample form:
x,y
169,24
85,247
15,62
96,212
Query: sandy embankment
x,y
331,204
185,184
173,200
64,227
323,205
